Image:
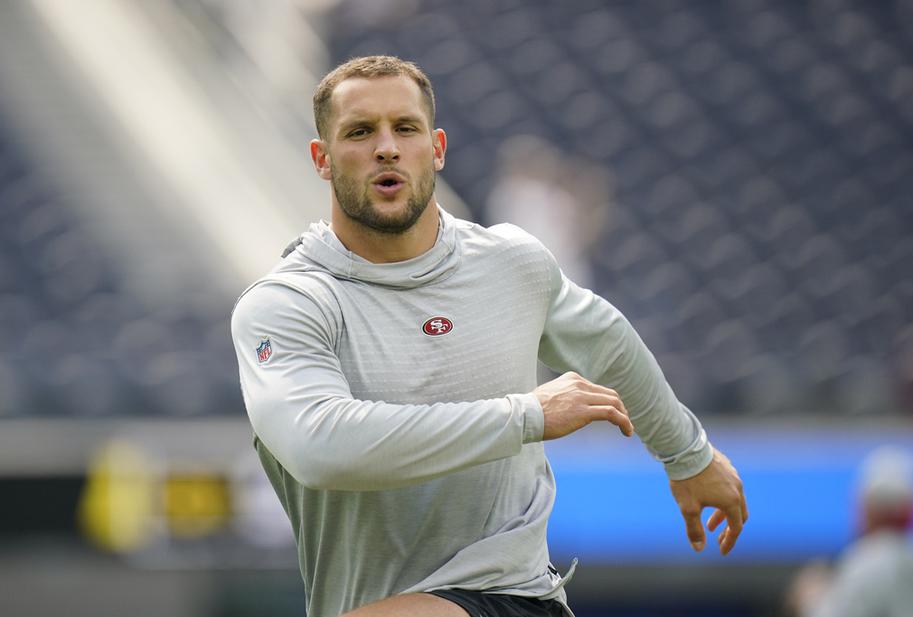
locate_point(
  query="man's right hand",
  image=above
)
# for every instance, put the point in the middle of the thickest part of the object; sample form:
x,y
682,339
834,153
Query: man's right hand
x,y
570,402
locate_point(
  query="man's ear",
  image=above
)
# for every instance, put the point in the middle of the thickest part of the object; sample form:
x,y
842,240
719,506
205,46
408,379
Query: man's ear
x,y
320,154
439,143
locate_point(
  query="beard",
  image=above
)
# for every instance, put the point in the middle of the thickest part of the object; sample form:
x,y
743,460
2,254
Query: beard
x,y
355,201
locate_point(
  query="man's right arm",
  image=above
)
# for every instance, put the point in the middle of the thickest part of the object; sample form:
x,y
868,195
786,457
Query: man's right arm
x,y
302,409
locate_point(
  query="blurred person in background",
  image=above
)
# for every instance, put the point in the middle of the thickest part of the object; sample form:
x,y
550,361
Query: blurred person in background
x,y
562,202
388,366
874,576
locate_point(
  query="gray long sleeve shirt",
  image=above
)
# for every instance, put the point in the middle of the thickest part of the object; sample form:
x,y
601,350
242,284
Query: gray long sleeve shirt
x,y
392,409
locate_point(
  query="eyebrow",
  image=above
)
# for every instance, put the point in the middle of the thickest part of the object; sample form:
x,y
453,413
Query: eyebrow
x,y
409,118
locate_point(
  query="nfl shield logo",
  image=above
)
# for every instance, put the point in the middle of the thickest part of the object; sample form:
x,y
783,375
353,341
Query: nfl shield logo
x,y
264,351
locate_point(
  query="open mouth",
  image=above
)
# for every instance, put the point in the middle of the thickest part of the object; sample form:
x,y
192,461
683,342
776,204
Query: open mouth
x,y
388,183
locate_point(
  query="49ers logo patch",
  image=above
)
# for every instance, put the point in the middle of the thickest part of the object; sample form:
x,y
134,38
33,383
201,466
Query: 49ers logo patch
x,y
436,326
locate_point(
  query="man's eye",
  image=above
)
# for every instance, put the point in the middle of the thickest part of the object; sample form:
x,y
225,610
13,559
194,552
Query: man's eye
x,y
407,129
358,133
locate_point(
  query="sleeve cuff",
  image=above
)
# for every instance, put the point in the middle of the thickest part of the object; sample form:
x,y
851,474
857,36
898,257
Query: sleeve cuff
x,y
531,412
692,461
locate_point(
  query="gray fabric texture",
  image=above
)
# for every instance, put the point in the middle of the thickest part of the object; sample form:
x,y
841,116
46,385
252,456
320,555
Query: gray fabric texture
x,y
410,462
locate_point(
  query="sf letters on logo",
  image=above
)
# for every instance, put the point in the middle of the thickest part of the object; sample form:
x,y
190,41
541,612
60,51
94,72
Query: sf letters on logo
x,y
436,326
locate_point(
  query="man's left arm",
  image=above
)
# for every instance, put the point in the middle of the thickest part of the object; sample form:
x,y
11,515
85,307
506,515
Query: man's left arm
x,y
585,333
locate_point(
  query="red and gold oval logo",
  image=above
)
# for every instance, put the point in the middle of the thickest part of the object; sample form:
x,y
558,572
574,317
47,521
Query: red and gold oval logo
x,y
436,326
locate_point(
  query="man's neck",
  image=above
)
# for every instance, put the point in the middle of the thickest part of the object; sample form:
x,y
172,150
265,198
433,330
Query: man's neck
x,y
380,247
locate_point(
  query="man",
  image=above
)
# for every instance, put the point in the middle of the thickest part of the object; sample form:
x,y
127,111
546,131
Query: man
x,y
874,575
388,366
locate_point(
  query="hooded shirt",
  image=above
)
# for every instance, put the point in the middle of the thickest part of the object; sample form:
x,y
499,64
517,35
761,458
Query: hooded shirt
x,y
393,412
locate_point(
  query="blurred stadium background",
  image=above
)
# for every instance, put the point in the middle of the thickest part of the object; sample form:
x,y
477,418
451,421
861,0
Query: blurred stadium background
x,y
736,176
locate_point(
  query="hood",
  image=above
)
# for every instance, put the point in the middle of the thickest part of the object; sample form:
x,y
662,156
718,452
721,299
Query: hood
x,y
320,249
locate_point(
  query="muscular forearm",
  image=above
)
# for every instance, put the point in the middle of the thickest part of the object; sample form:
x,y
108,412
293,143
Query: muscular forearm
x,y
341,443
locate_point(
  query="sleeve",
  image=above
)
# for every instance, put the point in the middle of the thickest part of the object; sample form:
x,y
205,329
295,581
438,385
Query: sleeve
x,y
301,407
586,334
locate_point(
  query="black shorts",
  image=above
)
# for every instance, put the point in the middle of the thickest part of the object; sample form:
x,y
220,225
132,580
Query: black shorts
x,y
479,604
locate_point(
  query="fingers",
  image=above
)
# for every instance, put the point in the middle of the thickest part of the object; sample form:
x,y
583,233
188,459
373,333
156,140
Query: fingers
x,y
614,415
729,535
717,486
694,528
606,404
570,402
735,518
609,406
744,508
715,519
609,397
588,386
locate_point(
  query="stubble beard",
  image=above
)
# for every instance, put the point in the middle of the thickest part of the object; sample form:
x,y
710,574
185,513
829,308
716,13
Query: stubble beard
x,y
355,202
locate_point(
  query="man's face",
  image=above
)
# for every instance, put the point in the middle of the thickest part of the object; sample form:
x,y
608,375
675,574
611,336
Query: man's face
x,y
380,153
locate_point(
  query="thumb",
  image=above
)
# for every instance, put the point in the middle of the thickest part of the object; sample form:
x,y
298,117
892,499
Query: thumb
x,y
694,528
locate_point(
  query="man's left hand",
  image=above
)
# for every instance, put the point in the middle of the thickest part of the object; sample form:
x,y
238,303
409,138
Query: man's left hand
x,y
717,486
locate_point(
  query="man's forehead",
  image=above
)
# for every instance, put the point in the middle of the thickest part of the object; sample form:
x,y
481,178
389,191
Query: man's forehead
x,y
372,96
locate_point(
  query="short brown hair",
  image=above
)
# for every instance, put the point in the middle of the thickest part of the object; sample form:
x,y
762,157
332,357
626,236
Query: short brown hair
x,y
367,67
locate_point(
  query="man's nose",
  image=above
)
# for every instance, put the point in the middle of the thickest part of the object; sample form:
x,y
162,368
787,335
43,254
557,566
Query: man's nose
x,y
387,148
